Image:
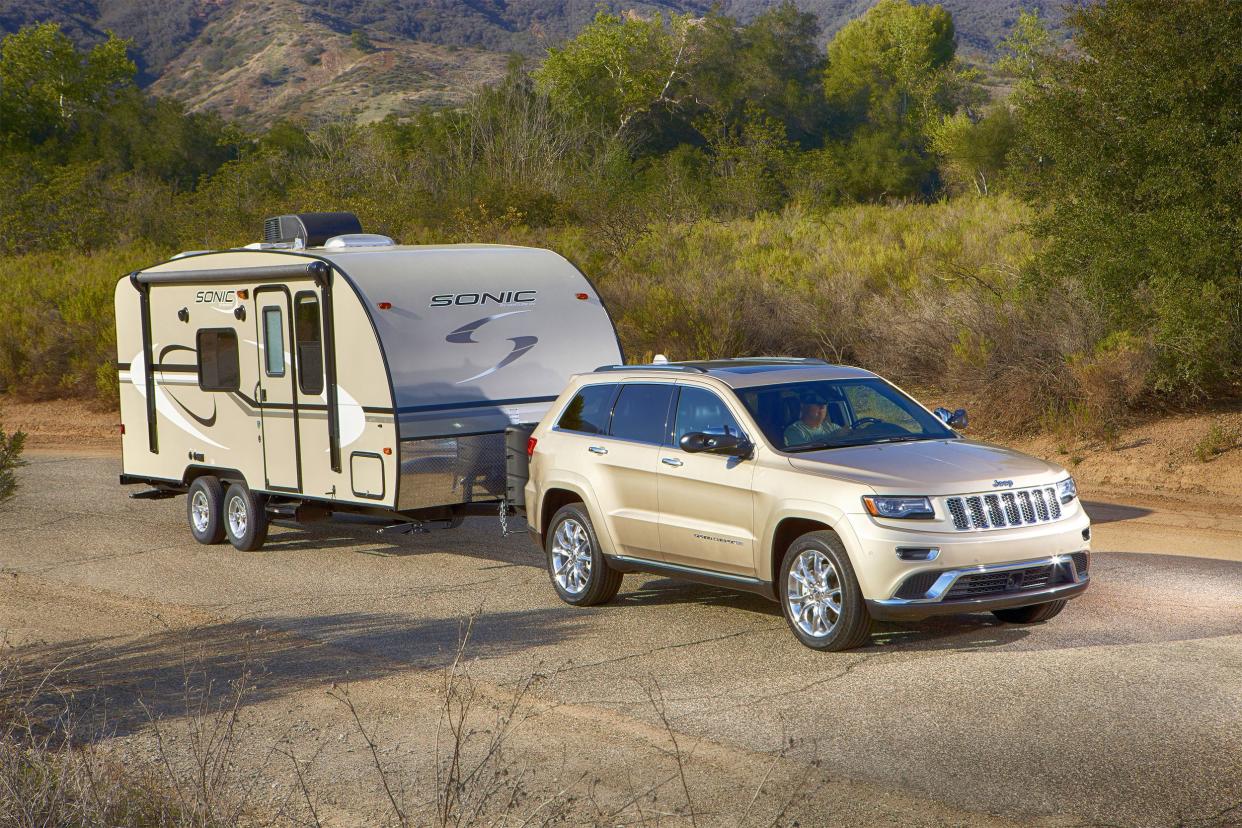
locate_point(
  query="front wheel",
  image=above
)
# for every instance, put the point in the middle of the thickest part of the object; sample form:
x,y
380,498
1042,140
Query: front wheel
x,y
576,563
245,518
820,595
1032,614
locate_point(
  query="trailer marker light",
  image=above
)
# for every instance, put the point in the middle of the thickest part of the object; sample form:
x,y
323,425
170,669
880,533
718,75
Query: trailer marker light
x,y
387,450
385,305
122,429
530,447
583,296
243,294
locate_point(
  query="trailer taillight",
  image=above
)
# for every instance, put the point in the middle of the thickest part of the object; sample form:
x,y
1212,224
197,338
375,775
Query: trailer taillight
x,y
530,447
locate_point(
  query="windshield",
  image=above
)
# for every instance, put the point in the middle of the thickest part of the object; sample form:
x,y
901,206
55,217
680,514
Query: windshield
x,y
803,416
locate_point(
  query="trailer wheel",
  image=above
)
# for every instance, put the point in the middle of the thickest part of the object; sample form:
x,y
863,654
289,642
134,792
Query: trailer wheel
x,y
245,518
205,510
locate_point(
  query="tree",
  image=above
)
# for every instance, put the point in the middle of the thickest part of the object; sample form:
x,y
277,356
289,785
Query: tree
x,y
618,69
11,446
773,64
973,152
892,75
46,84
1137,137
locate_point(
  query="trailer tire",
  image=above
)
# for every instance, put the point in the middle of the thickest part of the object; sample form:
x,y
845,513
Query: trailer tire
x,y
245,518
204,505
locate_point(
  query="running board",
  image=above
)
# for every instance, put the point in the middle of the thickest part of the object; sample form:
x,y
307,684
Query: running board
x,y
623,563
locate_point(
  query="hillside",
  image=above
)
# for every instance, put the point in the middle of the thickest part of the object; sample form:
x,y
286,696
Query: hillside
x,y
264,60
261,60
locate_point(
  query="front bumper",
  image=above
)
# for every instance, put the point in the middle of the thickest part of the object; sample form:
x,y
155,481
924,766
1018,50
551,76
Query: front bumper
x,y
1003,586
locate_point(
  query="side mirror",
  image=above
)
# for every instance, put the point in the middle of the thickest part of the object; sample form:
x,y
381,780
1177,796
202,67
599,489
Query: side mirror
x,y
953,419
696,442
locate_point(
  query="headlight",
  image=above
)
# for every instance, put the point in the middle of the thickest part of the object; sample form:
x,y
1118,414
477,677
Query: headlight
x,y
1066,490
917,508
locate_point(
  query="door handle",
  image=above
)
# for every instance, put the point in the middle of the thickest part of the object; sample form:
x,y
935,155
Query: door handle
x,y
597,449
670,461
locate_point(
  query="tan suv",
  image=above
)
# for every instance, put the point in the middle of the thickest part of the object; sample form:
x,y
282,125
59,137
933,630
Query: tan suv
x,y
819,486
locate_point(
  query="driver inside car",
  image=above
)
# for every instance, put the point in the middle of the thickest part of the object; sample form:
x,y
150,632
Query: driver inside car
x,y
813,425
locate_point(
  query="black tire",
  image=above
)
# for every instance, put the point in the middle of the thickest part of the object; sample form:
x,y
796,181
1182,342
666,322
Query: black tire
x,y
204,507
852,627
1034,614
247,527
601,581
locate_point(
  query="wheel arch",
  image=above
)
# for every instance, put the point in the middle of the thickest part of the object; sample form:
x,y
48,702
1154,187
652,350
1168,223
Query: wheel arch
x,y
557,494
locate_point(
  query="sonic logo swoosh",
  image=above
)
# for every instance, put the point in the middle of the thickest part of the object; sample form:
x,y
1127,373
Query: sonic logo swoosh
x,y
465,336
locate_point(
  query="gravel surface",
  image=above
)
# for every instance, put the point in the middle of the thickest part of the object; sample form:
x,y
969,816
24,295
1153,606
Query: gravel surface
x,y
1124,710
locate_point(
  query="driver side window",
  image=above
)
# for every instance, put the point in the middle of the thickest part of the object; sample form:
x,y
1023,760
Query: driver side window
x,y
700,410
867,402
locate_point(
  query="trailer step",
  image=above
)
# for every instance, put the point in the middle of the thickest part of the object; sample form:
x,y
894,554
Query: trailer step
x,y
153,494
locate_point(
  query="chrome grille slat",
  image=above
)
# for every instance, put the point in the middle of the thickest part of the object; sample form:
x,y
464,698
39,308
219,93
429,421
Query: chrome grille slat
x,y
1021,507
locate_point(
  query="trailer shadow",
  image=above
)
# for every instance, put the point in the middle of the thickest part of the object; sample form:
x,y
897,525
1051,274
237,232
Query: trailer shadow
x,y
115,686
477,538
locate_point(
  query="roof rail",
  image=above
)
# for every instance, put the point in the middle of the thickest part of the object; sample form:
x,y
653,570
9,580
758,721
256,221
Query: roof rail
x,y
775,359
671,366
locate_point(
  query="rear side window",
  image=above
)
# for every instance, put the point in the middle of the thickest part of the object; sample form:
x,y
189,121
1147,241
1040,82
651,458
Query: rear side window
x,y
699,410
641,412
588,411
219,368
307,333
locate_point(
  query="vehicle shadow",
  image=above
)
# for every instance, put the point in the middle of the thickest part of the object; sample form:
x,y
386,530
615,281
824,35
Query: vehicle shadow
x,y
116,686
1101,512
957,632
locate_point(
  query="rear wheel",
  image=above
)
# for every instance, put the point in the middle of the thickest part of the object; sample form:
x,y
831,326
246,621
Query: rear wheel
x,y
205,510
245,518
820,594
1032,614
576,563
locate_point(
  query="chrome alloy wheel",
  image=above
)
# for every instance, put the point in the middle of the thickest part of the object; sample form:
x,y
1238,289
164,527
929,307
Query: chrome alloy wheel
x,y
814,593
571,556
200,512
237,517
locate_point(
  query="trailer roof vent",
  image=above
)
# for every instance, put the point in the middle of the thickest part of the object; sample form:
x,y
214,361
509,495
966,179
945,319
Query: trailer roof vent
x,y
311,229
351,240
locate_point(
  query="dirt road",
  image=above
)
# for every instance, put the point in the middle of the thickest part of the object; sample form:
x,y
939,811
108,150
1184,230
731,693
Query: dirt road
x,y
1125,710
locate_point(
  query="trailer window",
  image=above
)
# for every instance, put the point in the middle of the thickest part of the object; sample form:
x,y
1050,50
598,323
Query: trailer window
x,y
307,334
589,410
219,368
273,342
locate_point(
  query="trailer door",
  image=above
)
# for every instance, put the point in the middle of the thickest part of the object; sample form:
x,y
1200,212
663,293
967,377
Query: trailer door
x,y
276,396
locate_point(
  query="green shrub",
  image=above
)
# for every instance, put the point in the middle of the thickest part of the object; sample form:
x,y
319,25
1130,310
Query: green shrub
x,y
57,321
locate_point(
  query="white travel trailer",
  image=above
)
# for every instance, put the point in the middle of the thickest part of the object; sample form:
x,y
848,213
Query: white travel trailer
x,y
325,370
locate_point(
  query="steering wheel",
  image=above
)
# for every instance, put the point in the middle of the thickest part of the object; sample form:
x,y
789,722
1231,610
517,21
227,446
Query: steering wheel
x,y
863,422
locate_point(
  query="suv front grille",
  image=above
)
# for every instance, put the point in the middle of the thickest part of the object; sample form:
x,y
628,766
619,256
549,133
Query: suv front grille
x,y
1004,509
1011,580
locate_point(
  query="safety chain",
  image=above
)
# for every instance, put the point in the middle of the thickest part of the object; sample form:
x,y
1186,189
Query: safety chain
x,y
505,531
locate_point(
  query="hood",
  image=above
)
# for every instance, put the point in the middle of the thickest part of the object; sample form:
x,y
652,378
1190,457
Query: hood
x,y
930,467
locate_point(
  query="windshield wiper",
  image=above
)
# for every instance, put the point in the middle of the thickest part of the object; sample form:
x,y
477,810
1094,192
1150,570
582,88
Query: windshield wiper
x,y
816,446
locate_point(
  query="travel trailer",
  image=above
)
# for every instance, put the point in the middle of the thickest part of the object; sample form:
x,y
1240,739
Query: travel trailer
x,y
327,370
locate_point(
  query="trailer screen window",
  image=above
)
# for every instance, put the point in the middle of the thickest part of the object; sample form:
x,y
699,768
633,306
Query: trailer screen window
x,y
273,342
219,368
306,332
